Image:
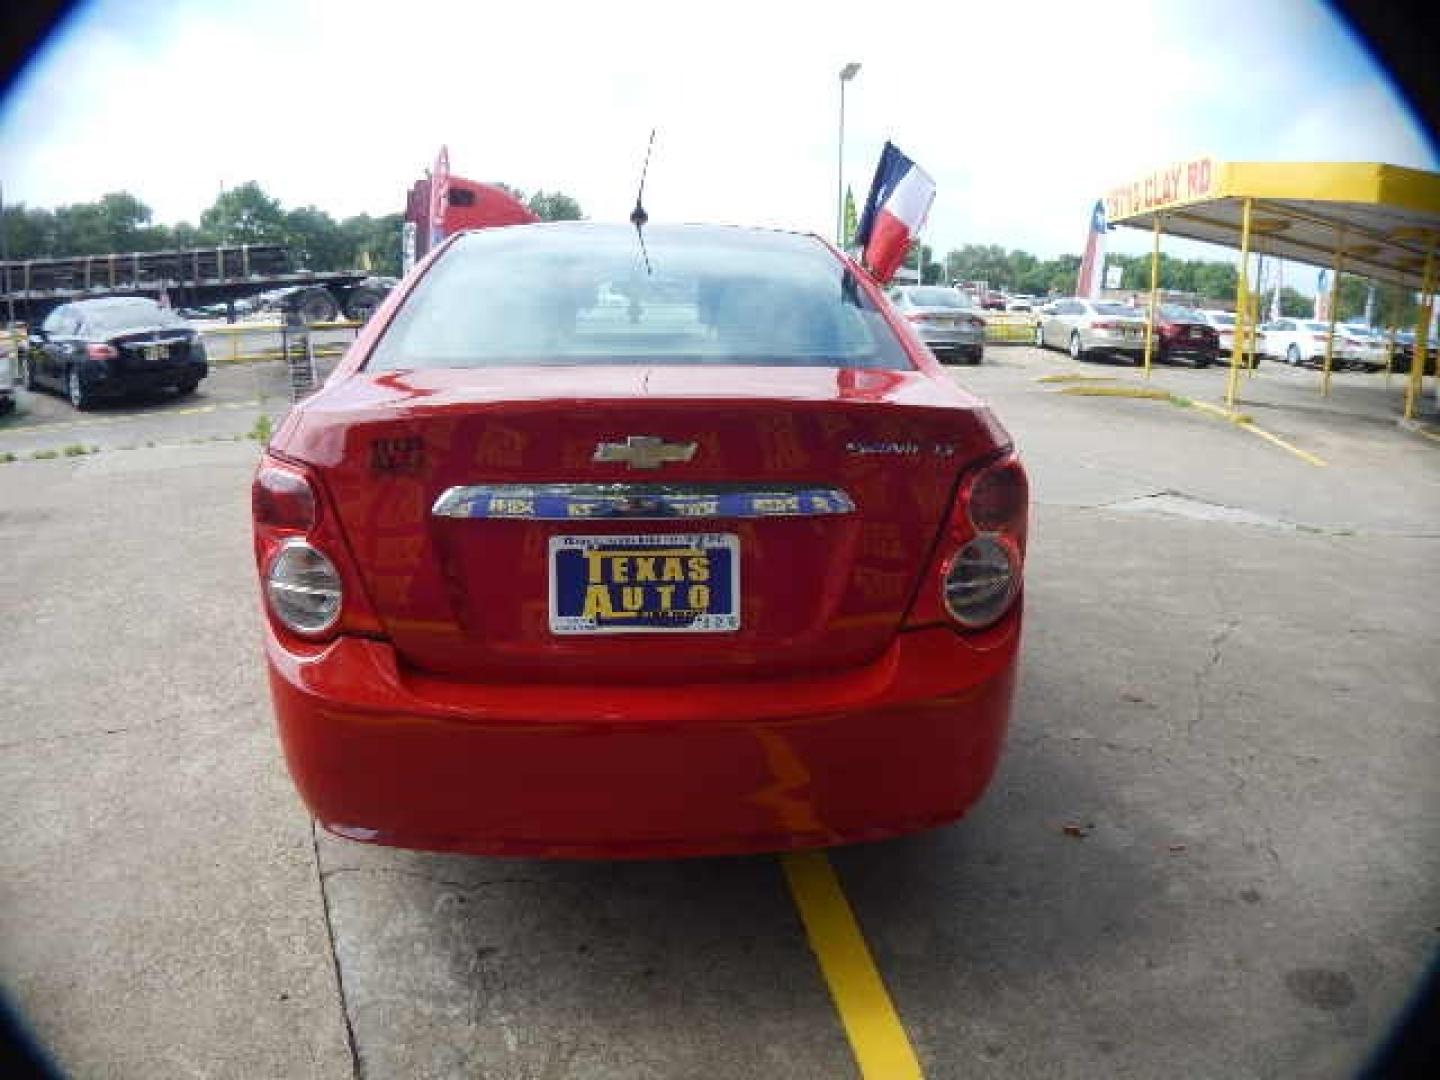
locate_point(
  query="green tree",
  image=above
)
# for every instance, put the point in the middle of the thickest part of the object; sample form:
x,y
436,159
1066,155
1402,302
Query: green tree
x,y
244,215
374,242
1293,304
554,206
316,242
29,231
1353,290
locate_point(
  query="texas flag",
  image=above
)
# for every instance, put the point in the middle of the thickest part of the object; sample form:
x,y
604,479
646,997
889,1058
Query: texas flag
x,y
1088,285
895,212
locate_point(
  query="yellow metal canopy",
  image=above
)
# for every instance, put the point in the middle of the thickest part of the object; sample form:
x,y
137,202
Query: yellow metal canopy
x,y
1384,219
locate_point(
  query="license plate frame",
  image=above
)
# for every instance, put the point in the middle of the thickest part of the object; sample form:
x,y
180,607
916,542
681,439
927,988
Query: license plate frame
x,y
580,605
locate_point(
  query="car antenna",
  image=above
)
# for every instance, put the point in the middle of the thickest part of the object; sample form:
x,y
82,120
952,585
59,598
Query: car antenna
x,y
638,216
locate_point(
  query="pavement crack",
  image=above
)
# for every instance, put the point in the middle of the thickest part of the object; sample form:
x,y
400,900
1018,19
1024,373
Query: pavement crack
x,y
465,886
357,1069
1202,676
39,739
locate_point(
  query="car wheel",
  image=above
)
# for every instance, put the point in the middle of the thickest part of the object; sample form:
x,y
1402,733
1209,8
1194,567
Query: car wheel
x,y
362,304
28,374
317,306
1039,336
1077,351
186,387
1292,356
75,390
977,356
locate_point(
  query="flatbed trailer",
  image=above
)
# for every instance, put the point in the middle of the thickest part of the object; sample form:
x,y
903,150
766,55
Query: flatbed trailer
x,y
195,277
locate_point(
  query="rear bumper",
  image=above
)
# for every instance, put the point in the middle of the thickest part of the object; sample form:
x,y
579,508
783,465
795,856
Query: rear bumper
x,y
952,339
905,743
107,382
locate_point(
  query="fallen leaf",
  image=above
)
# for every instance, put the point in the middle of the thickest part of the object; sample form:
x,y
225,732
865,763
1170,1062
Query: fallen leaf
x,y
1077,831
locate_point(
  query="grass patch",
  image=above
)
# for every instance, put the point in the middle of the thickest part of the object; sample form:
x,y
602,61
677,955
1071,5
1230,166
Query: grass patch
x,y
262,430
45,455
6,457
75,449
1180,402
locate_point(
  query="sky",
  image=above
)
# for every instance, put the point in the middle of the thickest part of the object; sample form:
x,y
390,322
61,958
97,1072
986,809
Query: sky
x,y
1023,113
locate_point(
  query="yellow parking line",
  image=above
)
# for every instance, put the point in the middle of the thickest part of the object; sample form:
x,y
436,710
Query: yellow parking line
x,y
877,1039
1420,429
1303,455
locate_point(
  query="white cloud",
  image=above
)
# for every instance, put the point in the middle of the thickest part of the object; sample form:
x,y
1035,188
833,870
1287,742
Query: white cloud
x,y
1023,113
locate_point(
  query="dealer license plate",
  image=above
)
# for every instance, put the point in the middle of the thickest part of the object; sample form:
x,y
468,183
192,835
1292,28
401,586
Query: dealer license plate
x,y
686,583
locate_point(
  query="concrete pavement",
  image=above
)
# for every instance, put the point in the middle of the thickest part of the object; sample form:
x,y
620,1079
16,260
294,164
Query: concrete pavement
x,y
1211,849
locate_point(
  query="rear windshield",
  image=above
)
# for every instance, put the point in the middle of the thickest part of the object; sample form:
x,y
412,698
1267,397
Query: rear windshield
x,y
137,314
946,298
1117,309
1224,318
1317,327
1180,314
583,294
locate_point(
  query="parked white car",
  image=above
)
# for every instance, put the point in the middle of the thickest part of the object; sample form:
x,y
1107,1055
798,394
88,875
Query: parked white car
x,y
7,372
1223,323
1302,341
1373,345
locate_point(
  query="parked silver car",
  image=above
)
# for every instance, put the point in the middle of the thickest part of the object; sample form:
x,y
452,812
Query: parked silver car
x,y
946,319
1085,327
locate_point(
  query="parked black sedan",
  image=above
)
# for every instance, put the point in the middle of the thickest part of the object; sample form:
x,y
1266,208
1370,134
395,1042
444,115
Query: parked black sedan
x,y
93,349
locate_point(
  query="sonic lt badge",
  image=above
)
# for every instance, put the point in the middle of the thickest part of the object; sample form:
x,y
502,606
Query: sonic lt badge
x,y
644,451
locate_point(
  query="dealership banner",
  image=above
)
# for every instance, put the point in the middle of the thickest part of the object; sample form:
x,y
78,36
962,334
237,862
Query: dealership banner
x,y
1174,185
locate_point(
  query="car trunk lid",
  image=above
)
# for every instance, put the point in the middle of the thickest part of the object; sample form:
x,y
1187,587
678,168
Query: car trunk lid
x,y
151,349
828,487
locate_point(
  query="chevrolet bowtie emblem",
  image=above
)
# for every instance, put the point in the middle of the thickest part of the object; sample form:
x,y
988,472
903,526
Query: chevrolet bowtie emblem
x,y
644,451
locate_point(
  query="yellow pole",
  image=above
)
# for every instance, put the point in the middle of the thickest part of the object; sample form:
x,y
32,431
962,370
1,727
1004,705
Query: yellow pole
x,y
1242,307
1415,384
1254,341
1334,314
1154,287
1252,337
1389,357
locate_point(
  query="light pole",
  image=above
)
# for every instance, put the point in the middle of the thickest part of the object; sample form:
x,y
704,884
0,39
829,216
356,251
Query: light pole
x,y
848,72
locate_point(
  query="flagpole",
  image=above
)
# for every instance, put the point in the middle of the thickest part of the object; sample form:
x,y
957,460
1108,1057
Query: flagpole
x,y
847,73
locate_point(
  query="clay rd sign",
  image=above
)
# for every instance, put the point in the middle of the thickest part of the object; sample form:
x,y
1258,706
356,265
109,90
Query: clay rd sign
x,y
1174,185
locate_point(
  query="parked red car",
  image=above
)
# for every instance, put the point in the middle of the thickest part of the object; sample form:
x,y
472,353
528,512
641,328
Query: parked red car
x,y
1184,334
592,551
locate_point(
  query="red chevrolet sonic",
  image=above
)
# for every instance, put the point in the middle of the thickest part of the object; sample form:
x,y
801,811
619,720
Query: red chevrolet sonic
x,y
612,544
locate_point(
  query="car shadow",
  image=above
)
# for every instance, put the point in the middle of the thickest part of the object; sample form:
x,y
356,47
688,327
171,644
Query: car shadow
x,y
572,956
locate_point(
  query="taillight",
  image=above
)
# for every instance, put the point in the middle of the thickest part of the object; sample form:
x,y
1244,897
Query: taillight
x,y
976,324
303,589
998,499
1105,326
282,498
980,581
97,351
310,584
975,575
917,316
